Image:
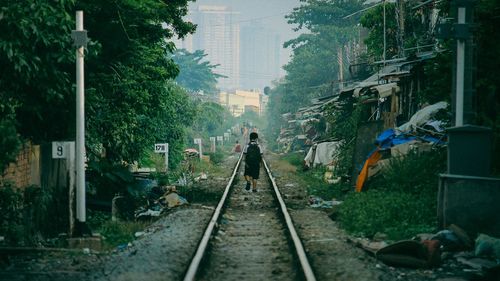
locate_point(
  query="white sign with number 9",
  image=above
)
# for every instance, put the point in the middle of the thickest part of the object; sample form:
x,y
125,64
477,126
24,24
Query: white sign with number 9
x,y
59,150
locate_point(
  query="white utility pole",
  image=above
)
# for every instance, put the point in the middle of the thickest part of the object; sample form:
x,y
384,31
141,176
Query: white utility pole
x,y
166,158
459,116
199,147
80,125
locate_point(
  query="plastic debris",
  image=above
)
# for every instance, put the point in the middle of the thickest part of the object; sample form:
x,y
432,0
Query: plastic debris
x,y
449,240
228,217
121,247
147,213
86,251
139,234
487,246
318,202
477,263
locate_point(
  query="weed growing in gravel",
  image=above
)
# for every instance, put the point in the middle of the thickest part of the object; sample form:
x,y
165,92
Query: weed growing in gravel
x,y
296,159
313,179
120,232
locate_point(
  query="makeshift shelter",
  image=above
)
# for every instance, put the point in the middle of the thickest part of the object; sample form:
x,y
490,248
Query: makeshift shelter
x,y
321,154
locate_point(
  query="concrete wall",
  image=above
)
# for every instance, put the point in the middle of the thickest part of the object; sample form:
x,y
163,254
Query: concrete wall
x,y
472,203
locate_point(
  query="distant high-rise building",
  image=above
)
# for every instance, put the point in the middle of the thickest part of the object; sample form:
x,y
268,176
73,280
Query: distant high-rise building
x,y
218,33
260,56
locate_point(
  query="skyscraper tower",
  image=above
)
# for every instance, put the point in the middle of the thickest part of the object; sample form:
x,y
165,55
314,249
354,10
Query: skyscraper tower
x,y
260,56
218,33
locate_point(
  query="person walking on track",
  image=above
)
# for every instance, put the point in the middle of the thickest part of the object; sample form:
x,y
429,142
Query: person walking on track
x,y
253,159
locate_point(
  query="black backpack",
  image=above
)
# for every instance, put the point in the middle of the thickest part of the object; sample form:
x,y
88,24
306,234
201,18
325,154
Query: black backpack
x,y
253,153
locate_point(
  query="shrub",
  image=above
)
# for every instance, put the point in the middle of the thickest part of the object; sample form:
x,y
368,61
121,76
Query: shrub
x,y
216,157
120,232
296,159
11,219
400,202
416,173
397,214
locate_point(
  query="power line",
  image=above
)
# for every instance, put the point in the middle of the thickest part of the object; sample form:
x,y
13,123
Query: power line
x,y
251,19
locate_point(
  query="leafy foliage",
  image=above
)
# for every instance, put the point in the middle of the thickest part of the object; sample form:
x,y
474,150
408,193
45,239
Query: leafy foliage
x,y
211,119
345,122
195,74
25,214
401,203
131,102
397,214
117,233
35,51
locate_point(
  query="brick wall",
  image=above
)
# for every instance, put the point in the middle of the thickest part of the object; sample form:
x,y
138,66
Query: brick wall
x,y
26,170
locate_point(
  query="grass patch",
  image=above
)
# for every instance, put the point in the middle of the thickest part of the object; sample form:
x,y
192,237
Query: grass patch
x,y
296,159
401,202
398,214
120,232
313,179
317,186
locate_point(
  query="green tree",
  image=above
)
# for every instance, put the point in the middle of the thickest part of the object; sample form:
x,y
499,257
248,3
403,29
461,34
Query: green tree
x,y
196,75
131,102
373,20
130,99
35,87
211,119
313,69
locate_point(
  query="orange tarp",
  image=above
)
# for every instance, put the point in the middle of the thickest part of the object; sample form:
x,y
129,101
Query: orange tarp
x,y
372,160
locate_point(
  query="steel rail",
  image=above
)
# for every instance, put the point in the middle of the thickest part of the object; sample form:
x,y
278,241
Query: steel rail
x,y
200,252
299,248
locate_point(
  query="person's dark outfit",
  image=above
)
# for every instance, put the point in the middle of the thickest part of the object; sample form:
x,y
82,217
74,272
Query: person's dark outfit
x,y
252,162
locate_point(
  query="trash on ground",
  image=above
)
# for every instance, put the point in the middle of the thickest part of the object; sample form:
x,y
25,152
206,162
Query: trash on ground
x,y
202,176
228,217
370,247
142,213
139,234
487,246
453,239
173,199
410,253
318,202
449,240
477,263
121,247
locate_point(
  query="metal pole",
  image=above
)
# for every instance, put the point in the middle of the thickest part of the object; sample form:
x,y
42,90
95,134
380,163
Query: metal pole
x,y
71,171
166,158
459,115
199,146
80,127
385,41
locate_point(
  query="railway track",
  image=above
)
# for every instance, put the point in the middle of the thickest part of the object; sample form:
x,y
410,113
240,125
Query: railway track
x,y
250,237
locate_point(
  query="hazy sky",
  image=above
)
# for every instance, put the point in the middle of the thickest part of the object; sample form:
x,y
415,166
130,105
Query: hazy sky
x,y
269,12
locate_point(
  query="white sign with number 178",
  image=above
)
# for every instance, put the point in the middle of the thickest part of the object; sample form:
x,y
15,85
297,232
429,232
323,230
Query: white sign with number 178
x,y
161,147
